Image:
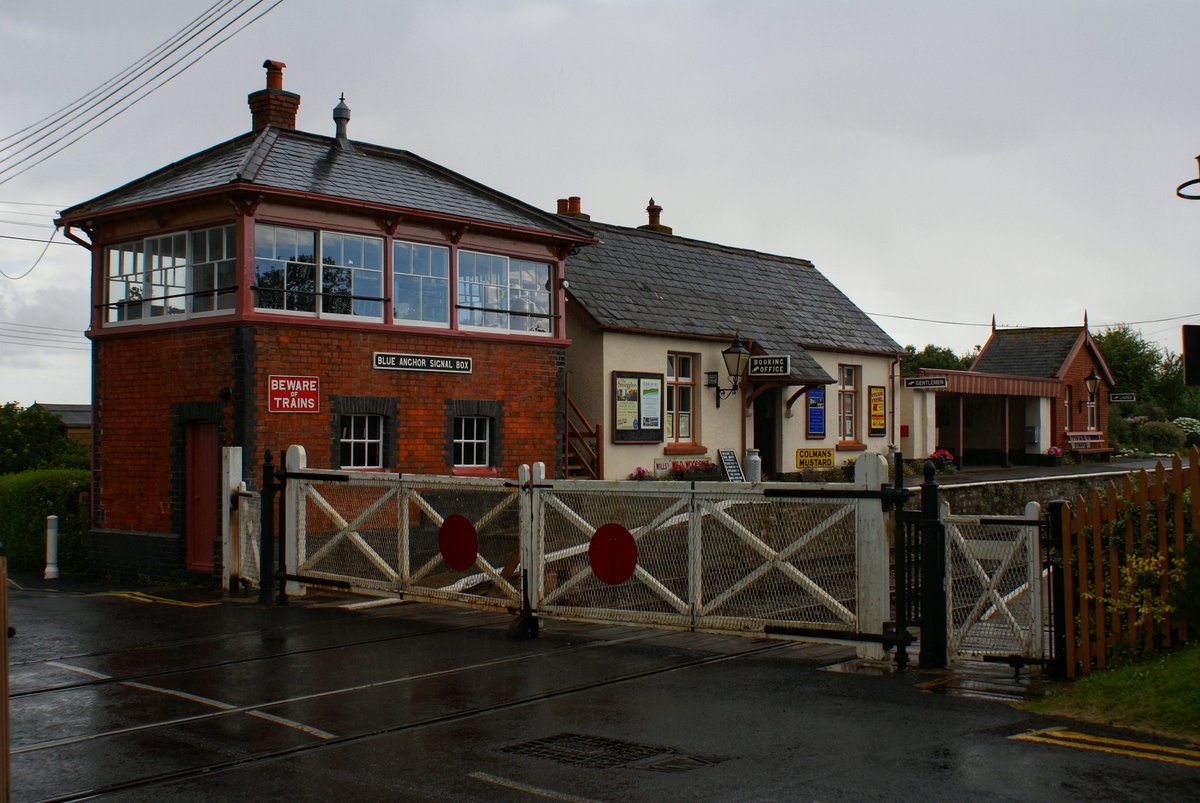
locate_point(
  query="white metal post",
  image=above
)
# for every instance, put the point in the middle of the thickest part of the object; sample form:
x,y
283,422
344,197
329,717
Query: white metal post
x,y
870,473
297,460
231,482
51,572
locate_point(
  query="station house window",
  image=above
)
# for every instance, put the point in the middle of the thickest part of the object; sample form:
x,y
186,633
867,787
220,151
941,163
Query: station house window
x,y
171,276
509,294
848,404
681,396
349,282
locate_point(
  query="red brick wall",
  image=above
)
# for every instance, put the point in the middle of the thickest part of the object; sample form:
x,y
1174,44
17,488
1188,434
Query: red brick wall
x,y
1078,372
141,376
524,378
138,378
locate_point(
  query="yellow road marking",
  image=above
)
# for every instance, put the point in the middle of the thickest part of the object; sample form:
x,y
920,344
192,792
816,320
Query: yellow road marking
x,y
1116,747
138,596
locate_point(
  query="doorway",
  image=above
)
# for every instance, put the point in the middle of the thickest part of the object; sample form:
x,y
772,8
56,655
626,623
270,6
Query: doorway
x,y
201,472
766,431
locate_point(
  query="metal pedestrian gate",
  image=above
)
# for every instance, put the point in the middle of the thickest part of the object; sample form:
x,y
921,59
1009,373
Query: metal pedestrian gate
x,y
974,585
773,560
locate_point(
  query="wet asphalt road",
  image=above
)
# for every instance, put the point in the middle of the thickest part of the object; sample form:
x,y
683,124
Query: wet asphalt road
x,y
125,698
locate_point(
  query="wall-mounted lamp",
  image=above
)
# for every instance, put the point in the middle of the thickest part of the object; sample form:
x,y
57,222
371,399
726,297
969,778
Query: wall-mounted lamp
x,y
1092,383
736,358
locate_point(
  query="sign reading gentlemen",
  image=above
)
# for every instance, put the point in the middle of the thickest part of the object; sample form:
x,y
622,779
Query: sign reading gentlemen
x,y
422,362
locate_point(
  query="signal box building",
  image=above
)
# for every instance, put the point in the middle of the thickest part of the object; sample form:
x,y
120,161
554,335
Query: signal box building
x,y
289,288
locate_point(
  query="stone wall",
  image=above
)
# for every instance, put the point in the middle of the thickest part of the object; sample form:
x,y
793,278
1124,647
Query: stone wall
x,y
1008,498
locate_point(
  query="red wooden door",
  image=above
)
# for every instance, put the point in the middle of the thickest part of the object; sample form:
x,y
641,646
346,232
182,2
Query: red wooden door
x,y
202,472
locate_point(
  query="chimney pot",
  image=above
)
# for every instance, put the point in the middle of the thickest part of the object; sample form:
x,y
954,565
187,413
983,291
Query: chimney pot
x,y
273,106
654,211
574,205
563,206
274,74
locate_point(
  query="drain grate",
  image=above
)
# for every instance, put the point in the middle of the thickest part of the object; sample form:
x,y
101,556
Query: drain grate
x,y
599,752
596,752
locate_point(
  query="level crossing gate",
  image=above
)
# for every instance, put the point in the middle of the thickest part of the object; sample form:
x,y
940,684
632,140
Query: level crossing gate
x,y
775,560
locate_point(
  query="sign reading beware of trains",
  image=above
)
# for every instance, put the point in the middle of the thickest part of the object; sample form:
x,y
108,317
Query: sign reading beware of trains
x,y
293,394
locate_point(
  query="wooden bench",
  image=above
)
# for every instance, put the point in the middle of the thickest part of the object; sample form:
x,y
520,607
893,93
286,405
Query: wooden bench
x,y
1090,442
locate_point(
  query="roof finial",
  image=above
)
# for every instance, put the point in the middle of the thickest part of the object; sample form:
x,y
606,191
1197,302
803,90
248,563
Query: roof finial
x,y
993,323
1085,326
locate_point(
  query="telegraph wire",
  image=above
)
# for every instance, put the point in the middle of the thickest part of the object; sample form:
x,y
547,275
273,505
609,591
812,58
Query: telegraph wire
x,y
29,239
11,168
37,261
36,326
85,99
61,348
25,339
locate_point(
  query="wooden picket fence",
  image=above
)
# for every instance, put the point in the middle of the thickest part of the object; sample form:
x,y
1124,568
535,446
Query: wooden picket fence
x,y
1123,559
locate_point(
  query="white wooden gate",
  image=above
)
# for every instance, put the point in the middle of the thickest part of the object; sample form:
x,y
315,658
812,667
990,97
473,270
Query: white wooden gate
x,y
782,560
996,603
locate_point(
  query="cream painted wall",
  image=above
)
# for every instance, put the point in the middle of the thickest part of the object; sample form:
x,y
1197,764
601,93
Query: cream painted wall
x,y
874,371
593,357
600,355
918,411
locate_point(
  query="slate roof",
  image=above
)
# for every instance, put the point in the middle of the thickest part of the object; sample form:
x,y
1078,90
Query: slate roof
x,y
299,162
73,415
646,281
1039,352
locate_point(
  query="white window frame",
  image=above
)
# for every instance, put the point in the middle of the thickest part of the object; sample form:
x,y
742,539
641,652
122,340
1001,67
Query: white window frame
x,y
319,264
443,254
355,434
490,306
140,269
468,444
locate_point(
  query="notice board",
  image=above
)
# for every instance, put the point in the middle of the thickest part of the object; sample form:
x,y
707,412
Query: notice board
x,y
637,405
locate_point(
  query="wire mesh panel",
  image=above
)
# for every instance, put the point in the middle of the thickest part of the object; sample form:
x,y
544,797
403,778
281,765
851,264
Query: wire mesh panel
x,y
382,533
350,530
657,515
776,562
995,594
249,533
491,507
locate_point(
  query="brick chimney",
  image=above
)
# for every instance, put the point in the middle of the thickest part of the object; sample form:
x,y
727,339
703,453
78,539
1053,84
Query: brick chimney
x,y
572,207
654,211
273,106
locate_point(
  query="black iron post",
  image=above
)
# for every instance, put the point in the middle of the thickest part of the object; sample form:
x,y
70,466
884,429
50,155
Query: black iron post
x,y
1055,566
266,540
933,575
900,637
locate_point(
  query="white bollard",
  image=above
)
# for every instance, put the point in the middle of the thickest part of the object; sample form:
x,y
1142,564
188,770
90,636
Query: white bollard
x,y
51,548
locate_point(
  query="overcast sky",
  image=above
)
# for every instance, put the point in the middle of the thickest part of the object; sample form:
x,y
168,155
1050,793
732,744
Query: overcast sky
x,y
945,161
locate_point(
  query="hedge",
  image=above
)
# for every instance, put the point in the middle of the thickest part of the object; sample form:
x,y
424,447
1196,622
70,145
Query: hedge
x,y
26,499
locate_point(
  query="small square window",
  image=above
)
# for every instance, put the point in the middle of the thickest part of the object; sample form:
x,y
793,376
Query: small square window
x,y
472,441
361,441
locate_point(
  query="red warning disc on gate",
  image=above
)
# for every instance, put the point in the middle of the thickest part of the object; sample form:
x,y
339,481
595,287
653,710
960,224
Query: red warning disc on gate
x,y
612,554
458,542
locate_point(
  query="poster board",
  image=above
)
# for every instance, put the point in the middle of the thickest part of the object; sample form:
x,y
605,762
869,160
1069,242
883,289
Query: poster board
x,y
637,407
815,408
877,409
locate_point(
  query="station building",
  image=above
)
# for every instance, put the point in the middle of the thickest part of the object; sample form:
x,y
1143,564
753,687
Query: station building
x,y
656,322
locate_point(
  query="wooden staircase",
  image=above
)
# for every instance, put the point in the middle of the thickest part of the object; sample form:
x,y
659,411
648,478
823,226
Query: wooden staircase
x,y
583,456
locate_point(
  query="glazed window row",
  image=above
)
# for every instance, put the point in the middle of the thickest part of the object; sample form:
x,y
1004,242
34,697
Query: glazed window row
x,y
327,274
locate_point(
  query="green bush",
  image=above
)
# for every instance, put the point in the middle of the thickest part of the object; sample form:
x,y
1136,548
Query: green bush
x,y
1160,436
26,499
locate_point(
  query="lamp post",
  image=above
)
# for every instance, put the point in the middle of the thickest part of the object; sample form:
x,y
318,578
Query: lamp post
x,y
736,358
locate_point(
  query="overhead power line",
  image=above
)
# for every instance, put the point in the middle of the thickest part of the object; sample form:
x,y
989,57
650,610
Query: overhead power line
x,y
143,88
36,262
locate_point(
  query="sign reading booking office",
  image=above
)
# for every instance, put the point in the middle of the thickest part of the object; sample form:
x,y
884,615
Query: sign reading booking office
x,y
421,362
